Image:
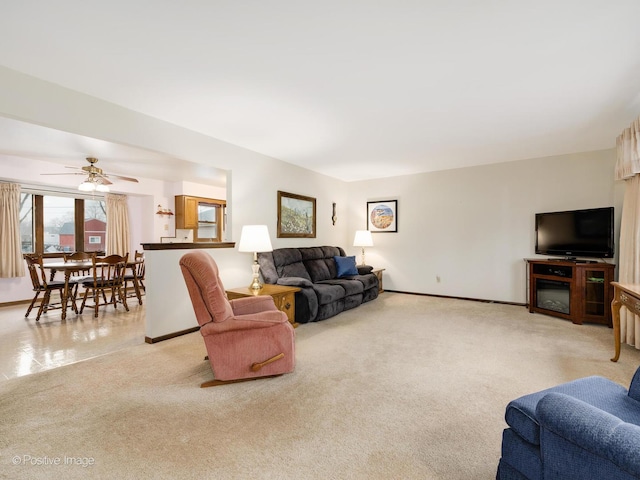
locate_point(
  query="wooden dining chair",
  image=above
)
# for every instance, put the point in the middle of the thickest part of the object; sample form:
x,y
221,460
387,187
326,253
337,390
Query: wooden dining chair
x,y
136,278
41,285
106,283
79,276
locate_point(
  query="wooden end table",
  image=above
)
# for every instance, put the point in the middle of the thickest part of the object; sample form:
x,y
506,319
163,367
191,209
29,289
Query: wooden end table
x,y
283,296
378,273
624,295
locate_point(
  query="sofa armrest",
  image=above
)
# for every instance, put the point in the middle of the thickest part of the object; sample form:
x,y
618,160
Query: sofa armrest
x,y
364,269
600,433
295,282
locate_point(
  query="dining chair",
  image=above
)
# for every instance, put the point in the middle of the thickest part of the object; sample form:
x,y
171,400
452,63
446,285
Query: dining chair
x,y
41,285
136,277
106,283
78,276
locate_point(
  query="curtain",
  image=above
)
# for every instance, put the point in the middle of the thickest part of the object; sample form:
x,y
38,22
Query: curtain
x,y
628,169
118,238
11,263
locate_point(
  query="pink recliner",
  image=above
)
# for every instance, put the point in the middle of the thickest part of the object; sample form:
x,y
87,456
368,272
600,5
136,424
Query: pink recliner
x,y
245,338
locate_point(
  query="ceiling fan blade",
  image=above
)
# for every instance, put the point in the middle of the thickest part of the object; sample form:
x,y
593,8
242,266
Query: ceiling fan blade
x,y
102,178
120,177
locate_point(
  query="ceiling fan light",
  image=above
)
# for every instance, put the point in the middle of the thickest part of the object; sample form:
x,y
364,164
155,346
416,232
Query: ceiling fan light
x,y
87,186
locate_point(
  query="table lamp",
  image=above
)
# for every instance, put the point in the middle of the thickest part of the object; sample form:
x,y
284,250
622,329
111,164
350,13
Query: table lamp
x,y
255,238
363,239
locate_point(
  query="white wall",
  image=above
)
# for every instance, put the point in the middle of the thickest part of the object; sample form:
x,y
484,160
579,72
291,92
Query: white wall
x,y
473,227
253,179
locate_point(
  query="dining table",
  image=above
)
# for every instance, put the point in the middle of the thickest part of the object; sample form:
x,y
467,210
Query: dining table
x,y
69,268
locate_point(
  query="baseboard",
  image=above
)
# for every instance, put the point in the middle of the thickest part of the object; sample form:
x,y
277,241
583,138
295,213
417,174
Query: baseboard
x,y
17,302
170,335
459,298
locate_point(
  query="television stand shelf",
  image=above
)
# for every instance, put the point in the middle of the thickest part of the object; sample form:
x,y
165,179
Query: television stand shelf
x,y
573,290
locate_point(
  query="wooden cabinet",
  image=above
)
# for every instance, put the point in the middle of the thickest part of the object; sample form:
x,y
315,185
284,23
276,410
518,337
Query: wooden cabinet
x,y
283,297
202,215
576,291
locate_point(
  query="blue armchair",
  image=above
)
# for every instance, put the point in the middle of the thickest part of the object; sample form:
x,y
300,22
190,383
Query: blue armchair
x,y
585,429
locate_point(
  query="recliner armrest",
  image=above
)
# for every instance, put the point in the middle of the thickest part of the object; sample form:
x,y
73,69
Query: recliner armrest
x,y
249,305
246,322
594,430
634,387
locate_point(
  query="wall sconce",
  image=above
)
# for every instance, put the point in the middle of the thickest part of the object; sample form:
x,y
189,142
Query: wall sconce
x,y
163,211
333,216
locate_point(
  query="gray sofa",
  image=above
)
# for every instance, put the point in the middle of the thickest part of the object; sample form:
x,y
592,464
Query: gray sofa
x,y
323,292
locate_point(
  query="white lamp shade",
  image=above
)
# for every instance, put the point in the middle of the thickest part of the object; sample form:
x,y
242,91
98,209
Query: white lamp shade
x,y
255,238
363,239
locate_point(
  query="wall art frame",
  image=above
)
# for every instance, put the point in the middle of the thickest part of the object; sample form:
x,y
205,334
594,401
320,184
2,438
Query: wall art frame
x,y
296,216
382,216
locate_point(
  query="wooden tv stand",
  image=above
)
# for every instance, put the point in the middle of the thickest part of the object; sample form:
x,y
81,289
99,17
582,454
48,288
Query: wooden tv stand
x,y
573,290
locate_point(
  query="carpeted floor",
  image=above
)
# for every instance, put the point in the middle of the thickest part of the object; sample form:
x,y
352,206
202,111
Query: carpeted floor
x,y
405,387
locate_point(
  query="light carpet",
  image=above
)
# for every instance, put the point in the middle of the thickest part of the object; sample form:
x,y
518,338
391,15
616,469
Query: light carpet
x,y
404,387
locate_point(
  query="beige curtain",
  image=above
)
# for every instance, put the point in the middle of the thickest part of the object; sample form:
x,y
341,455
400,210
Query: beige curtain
x,y
118,237
11,262
628,169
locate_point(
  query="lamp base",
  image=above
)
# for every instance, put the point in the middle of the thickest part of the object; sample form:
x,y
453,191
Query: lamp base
x,y
255,282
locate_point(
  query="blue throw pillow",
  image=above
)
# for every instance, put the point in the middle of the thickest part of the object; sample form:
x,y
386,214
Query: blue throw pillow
x,y
346,266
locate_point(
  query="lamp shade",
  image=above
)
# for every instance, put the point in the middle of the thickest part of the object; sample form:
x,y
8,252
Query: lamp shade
x,y
255,238
363,239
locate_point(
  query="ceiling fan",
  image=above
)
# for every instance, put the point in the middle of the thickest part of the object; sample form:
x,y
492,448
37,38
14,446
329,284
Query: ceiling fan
x,y
96,178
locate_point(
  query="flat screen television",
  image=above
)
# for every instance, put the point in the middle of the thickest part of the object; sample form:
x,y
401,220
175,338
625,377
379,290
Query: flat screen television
x,y
576,233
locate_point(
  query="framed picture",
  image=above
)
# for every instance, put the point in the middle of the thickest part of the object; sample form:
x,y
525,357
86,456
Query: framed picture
x,y
296,216
382,216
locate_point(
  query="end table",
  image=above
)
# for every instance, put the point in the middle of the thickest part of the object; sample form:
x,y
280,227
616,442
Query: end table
x,y
378,273
283,296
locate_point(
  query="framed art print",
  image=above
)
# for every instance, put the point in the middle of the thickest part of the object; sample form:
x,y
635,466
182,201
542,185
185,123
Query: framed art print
x,y
382,216
296,216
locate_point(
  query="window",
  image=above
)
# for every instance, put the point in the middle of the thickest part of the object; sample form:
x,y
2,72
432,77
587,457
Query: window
x,y
55,224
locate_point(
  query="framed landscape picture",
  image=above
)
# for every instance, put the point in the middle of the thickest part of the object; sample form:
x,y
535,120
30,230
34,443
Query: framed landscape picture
x,y
296,216
382,216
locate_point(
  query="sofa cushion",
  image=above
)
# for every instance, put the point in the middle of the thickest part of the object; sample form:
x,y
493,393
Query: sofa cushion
x,y
315,262
369,281
328,293
287,261
345,266
318,270
351,287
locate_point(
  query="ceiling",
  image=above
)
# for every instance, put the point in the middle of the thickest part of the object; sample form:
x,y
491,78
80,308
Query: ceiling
x,y
22,139
353,89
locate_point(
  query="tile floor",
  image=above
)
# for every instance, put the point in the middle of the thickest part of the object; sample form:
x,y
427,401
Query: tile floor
x,y
27,346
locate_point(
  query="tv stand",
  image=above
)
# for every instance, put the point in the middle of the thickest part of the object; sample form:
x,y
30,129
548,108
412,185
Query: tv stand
x,y
574,290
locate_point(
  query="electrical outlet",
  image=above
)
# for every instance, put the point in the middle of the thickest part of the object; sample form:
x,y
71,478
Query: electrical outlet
x,y
438,278
166,227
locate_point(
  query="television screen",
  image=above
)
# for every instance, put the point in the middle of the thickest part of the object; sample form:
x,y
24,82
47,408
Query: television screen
x,y
576,233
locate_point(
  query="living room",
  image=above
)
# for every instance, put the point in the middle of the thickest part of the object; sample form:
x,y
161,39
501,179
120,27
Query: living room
x,y
464,232
495,204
